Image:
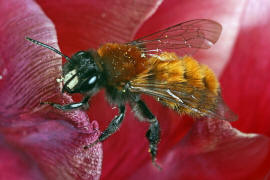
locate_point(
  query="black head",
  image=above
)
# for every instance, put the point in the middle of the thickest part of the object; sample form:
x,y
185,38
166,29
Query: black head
x,y
80,73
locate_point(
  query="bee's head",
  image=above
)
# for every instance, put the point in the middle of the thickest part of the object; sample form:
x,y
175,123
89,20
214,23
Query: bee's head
x,y
81,74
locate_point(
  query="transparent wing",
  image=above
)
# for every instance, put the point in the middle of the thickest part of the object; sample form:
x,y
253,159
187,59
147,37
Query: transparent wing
x,y
184,38
168,93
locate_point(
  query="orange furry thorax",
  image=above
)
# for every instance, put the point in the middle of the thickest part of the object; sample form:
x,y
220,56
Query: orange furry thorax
x,y
122,62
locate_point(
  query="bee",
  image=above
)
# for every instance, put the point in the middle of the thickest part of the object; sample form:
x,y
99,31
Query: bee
x,y
159,65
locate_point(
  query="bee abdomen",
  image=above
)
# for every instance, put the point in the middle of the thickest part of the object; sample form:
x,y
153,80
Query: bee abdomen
x,y
171,69
205,88
193,85
200,76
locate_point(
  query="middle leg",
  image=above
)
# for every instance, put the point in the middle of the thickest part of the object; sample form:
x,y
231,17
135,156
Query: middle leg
x,y
112,128
114,125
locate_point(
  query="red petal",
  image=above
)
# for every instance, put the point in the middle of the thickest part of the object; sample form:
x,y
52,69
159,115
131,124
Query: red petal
x,y
246,80
86,24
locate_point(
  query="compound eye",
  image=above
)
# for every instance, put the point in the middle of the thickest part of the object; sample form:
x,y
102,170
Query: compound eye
x,y
92,80
82,55
90,83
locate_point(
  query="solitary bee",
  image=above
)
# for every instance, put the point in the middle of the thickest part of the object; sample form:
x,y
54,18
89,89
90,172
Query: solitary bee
x,y
147,66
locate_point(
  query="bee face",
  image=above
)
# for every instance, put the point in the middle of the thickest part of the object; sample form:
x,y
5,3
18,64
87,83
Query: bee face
x,y
81,74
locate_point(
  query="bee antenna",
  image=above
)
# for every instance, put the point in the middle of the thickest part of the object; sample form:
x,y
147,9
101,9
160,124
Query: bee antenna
x,y
49,47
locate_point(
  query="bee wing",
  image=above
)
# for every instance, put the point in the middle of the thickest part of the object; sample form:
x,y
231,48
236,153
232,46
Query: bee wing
x,y
168,93
184,38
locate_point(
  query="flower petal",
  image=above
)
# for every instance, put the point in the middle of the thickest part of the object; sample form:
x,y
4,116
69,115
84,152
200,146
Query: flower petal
x,y
16,165
28,71
54,146
53,141
86,24
213,150
246,83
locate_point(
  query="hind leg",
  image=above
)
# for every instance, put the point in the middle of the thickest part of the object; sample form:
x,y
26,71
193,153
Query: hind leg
x,y
153,133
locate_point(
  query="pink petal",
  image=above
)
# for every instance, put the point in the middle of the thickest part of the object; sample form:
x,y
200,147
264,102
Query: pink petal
x,y
27,74
15,165
52,141
53,146
246,80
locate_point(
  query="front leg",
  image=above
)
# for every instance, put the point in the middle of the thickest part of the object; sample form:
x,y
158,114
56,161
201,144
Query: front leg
x,y
80,105
112,128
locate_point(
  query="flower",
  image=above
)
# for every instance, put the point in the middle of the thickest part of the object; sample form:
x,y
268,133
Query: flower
x,y
39,142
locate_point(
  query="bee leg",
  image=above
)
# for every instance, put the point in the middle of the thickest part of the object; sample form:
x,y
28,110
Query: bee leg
x,y
80,105
112,128
153,136
153,133
114,124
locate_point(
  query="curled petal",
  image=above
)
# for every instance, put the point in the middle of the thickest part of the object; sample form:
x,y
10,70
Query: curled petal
x,y
213,150
55,147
